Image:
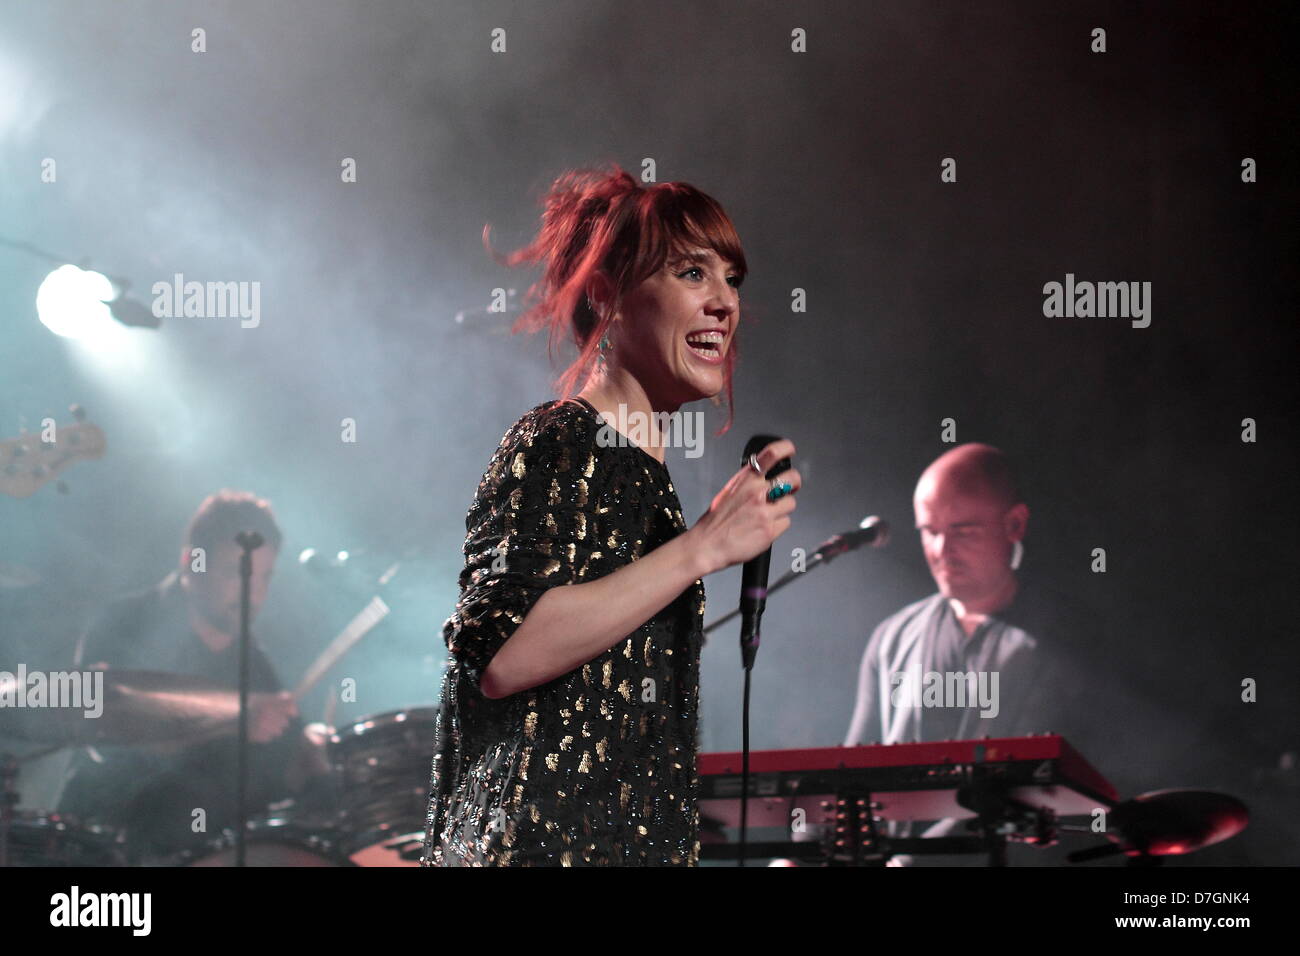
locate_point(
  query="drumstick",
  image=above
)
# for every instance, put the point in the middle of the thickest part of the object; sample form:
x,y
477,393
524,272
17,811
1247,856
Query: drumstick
x,y
357,628
331,706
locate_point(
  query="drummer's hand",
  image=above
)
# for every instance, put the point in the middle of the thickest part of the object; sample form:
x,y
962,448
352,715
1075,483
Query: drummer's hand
x,y
312,758
317,733
270,715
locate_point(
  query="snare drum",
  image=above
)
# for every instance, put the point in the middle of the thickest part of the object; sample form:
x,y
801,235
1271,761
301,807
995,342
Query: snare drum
x,y
382,765
278,841
38,838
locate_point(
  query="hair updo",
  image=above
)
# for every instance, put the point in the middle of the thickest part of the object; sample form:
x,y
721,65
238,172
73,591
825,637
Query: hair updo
x,y
605,221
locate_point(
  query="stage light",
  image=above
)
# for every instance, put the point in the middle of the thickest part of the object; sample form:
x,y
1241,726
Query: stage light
x,y
91,308
73,303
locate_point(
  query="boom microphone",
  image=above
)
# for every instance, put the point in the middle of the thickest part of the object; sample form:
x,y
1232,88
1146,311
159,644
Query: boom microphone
x,y
872,531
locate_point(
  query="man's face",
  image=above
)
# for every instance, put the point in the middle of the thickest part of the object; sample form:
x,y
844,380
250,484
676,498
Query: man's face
x,y
967,539
214,593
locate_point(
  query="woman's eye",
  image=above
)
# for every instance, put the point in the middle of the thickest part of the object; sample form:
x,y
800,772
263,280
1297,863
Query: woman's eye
x,y
696,270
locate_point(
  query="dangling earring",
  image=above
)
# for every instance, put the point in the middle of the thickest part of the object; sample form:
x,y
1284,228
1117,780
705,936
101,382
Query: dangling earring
x,y
1017,553
603,346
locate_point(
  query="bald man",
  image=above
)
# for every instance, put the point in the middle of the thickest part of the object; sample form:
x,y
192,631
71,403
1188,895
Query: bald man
x,y
1015,646
988,654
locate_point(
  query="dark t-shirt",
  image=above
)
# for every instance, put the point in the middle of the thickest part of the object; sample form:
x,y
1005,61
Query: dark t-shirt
x,y
154,794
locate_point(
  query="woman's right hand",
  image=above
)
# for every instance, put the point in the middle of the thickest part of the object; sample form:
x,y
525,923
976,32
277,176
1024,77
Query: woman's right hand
x,y
741,523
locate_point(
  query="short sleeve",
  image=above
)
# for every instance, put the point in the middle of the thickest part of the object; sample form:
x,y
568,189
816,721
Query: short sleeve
x,y
532,527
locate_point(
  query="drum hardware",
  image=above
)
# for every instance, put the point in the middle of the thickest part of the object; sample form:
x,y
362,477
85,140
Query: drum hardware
x,y
274,841
43,838
40,838
1012,789
382,765
1168,823
155,708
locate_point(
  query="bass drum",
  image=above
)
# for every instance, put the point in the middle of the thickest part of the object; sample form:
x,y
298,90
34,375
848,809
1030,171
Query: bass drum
x,y
38,838
278,841
382,766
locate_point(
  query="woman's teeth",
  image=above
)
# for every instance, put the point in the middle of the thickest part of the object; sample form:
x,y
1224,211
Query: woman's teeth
x,y
706,344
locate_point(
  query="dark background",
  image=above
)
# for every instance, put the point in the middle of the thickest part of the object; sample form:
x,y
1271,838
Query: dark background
x,y
925,302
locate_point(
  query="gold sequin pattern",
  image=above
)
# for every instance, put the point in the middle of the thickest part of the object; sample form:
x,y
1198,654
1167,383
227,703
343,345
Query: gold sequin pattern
x,y
562,509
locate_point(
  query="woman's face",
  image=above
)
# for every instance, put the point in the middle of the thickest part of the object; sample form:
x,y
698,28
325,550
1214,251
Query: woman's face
x,y
677,325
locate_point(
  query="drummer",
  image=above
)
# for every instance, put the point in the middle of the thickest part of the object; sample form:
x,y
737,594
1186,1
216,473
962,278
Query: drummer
x,y
173,797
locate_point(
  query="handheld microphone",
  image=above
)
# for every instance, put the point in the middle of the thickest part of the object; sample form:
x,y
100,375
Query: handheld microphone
x,y
753,577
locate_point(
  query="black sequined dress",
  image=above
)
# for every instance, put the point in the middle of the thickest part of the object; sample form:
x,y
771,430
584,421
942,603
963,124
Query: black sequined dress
x,y
596,767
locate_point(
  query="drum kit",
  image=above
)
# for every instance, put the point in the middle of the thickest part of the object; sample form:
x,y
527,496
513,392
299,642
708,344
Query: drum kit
x,y
379,770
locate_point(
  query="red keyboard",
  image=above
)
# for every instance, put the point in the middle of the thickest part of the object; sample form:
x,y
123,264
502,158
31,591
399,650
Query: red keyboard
x,y
908,781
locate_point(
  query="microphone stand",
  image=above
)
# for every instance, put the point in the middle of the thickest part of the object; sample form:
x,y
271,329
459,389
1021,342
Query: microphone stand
x,y
248,541
873,531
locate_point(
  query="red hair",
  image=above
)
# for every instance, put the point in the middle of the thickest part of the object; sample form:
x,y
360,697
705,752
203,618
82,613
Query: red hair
x,y
605,221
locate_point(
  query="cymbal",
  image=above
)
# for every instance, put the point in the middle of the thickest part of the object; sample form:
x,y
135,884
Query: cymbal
x,y
137,707
1174,822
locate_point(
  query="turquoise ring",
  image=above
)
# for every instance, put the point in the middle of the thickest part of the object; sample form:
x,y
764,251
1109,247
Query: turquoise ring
x,y
779,491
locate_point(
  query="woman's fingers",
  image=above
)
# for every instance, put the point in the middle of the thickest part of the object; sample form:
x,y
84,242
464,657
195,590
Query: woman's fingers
x,y
774,452
743,519
783,506
791,478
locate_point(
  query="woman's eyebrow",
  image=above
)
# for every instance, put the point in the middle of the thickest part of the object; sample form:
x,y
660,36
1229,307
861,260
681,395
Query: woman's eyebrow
x,y
703,256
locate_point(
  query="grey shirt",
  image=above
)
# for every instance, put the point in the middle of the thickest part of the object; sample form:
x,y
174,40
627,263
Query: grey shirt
x,y
1022,670
1058,672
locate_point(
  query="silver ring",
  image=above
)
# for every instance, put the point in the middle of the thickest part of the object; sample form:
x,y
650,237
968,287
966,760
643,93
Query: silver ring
x,y
753,463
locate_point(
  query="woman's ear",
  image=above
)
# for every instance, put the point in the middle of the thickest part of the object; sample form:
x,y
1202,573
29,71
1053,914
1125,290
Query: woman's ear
x,y
600,293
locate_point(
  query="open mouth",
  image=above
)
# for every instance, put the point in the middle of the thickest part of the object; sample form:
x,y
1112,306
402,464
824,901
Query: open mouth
x,y
707,345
